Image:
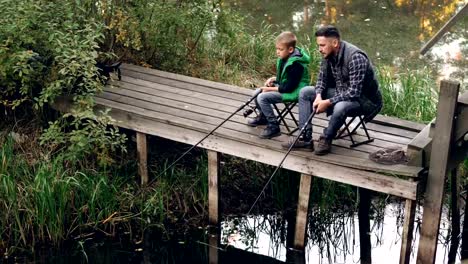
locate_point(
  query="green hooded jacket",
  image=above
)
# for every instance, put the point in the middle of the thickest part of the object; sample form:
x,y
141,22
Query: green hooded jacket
x,y
282,76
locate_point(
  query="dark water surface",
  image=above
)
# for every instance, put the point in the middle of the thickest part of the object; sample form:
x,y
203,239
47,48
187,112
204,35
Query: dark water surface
x,y
257,239
390,31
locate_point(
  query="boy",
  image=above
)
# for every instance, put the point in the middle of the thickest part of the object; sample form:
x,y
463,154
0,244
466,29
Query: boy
x,y
292,73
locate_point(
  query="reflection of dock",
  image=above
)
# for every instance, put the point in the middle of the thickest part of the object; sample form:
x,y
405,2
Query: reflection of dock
x,y
235,256
185,109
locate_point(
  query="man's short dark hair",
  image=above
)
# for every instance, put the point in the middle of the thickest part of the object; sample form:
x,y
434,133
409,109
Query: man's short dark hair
x,y
327,31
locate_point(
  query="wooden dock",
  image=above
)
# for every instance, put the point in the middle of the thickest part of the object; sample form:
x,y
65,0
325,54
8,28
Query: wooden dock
x,y
185,109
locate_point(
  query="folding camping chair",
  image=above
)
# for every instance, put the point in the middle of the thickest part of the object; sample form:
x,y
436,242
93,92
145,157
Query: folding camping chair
x,y
287,111
346,128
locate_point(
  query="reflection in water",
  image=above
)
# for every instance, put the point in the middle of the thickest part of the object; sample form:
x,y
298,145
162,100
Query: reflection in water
x,y
332,238
392,32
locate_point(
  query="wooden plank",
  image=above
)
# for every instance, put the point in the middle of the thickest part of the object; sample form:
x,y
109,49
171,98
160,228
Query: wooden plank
x,y
184,78
230,129
213,194
350,161
185,81
205,91
142,154
302,210
437,171
185,103
463,99
459,15
461,126
407,235
398,123
419,149
241,94
206,116
303,164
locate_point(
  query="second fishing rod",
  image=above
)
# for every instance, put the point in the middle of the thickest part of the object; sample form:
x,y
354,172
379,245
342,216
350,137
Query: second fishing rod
x,y
303,128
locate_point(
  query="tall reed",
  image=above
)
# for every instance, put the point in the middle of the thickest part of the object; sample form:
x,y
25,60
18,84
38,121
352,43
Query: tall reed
x,y
410,94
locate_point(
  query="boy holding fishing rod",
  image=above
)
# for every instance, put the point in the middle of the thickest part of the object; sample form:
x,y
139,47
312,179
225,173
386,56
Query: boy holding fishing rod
x,y
292,73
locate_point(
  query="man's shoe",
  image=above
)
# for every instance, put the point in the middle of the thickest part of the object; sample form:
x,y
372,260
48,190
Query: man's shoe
x,y
258,121
323,146
271,131
301,143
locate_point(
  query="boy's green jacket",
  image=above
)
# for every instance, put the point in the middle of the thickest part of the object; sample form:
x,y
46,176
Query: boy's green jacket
x,y
282,76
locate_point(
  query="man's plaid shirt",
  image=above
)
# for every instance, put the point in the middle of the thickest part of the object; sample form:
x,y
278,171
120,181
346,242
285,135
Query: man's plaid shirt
x,y
357,70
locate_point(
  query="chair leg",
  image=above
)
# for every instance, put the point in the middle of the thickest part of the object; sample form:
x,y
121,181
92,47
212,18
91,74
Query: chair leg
x,y
350,133
281,117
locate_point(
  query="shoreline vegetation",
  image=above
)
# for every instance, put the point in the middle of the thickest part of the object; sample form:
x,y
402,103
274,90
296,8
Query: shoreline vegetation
x,y
64,175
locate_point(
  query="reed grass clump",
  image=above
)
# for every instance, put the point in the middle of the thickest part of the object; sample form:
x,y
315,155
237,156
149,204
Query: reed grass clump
x,y
410,94
47,202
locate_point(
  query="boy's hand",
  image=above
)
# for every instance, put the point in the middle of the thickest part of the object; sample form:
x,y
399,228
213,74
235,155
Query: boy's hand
x,y
269,89
270,81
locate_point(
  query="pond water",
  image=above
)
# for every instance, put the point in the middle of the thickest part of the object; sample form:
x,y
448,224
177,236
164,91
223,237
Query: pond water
x,y
258,239
391,31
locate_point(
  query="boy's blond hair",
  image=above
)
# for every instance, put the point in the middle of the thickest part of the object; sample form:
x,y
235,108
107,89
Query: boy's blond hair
x,y
287,38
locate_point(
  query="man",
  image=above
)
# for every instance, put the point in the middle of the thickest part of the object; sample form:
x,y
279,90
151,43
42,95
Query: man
x,y
346,86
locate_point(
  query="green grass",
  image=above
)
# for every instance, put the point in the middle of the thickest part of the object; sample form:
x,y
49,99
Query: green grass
x,y
48,202
410,95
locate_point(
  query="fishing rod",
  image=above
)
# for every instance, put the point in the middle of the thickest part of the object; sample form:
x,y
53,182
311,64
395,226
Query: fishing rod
x,y
281,163
246,113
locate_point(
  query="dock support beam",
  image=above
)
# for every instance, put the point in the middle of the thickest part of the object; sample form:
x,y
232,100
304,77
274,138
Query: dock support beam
x,y
364,225
438,170
213,194
408,227
142,155
302,210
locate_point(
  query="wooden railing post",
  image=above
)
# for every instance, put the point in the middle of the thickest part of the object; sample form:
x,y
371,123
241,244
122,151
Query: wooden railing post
x,y
302,210
364,226
142,154
438,170
213,179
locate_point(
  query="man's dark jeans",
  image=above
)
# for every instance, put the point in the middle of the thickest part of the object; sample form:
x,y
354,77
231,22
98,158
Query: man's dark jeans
x,y
338,112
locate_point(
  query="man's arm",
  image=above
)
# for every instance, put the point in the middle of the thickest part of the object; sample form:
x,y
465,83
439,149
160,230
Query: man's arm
x,y
320,85
357,71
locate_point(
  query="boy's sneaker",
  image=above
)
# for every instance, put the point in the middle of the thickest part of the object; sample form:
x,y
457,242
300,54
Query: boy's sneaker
x,y
271,131
258,121
323,146
301,143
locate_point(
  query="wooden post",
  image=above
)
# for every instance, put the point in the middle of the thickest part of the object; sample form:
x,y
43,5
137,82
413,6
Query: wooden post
x,y
214,242
464,246
407,236
364,226
213,178
437,171
455,211
302,210
142,153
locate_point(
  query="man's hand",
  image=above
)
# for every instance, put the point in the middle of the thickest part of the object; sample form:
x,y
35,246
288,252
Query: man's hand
x,y
322,106
270,81
317,100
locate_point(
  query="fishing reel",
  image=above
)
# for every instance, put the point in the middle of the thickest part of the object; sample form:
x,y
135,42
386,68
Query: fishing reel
x,y
249,111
